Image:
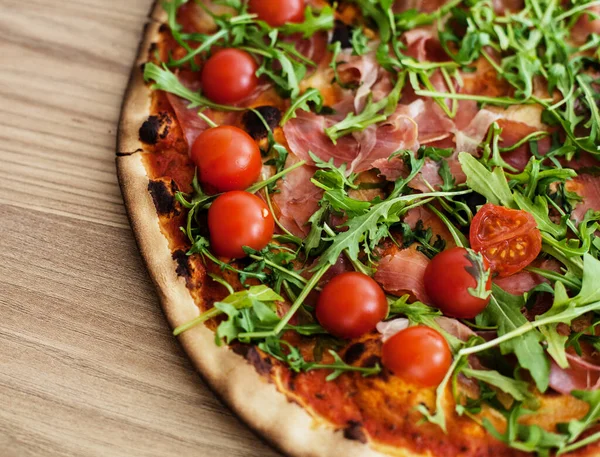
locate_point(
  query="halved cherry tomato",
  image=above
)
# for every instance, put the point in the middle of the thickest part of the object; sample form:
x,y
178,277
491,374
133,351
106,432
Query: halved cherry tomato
x,y
227,158
418,354
351,304
237,219
277,13
229,76
508,238
448,278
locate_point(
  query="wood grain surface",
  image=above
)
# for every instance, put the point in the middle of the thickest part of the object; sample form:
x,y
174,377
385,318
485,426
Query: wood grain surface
x,y
88,366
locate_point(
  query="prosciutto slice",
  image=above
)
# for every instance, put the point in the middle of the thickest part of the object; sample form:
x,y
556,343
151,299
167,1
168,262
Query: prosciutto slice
x,y
582,374
588,187
297,199
306,133
191,124
403,272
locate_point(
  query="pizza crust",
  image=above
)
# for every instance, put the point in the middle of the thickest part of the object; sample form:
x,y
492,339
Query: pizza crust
x,y
138,96
285,424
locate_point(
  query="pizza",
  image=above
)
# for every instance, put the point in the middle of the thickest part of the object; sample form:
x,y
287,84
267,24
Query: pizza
x,y
373,224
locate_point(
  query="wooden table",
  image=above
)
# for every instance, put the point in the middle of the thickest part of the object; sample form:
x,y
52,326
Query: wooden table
x,y
88,366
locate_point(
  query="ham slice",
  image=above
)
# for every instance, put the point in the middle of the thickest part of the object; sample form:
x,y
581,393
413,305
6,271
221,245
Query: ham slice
x,y
583,373
191,124
403,272
586,26
452,326
588,187
429,220
306,133
469,138
362,71
297,199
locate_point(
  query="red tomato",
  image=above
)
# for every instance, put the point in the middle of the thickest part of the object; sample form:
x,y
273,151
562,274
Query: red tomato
x,y
508,238
418,354
351,304
277,13
238,219
227,159
447,283
229,76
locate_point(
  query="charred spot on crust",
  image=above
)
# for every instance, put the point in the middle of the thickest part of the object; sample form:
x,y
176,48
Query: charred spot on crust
x,y
149,130
164,28
262,365
155,128
354,431
254,125
354,352
162,193
343,33
181,258
371,361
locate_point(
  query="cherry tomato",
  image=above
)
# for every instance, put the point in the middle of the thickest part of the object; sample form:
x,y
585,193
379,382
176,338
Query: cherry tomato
x,y
351,304
448,278
508,238
418,354
227,158
229,76
237,219
277,13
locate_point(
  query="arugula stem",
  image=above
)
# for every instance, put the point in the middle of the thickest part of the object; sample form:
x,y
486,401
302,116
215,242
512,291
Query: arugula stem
x,y
553,276
579,444
205,316
529,326
575,10
310,285
275,266
258,186
535,136
459,238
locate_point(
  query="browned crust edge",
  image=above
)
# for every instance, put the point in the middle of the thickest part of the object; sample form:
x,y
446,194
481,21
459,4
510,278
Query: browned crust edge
x,y
285,424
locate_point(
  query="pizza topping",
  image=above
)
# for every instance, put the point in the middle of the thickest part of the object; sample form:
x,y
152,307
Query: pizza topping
x,y
227,159
350,305
237,220
254,121
508,239
307,134
458,282
419,354
229,76
277,13
403,271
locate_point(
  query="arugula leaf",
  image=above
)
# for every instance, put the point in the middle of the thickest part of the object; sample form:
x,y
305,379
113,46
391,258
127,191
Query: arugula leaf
x,y
491,184
504,311
359,41
519,390
539,210
293,357
313,23
167,81
373,113
232,304
302,102
527,438
366,227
